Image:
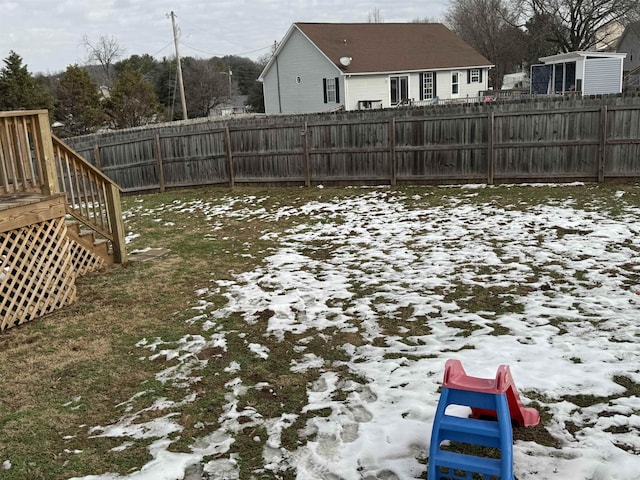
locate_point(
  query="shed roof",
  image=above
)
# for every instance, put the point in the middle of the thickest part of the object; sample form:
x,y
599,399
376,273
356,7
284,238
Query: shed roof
x,y
569,56
390,47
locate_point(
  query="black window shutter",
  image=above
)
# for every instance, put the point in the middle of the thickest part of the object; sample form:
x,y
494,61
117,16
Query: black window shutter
x,y
480,75
337,90
435,91
468,76
422,75
324,88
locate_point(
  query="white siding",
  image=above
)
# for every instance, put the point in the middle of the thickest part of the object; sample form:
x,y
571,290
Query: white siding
x,y
580,69
602,76
472,89
368,87
270,91
299,58
376,87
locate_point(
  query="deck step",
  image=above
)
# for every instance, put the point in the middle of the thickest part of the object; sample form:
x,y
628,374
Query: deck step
x,y
96,250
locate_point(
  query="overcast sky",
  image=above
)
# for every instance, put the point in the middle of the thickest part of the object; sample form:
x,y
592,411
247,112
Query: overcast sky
x,y
47,33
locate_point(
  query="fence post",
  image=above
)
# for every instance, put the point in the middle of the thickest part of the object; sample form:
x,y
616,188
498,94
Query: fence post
x,y
392,152
117,224
491,159
227,137
160,162
46,155
307,158
96,156
602,148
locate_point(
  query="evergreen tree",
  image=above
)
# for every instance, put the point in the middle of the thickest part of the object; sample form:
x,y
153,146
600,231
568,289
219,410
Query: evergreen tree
x,y
19,89
132,101
79,108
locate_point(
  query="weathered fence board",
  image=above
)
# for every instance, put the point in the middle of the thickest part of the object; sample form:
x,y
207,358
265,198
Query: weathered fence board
x,y
582,139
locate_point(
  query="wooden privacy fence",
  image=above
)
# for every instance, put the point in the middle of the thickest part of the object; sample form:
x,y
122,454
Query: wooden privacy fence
x,y
492,145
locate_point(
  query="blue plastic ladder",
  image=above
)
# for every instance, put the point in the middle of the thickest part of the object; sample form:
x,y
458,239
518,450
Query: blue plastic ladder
x,y
447,465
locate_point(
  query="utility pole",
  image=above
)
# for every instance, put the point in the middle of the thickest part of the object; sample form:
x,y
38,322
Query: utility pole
x,y
183,100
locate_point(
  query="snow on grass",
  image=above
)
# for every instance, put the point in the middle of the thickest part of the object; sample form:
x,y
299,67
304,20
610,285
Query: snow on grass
x,y
547,289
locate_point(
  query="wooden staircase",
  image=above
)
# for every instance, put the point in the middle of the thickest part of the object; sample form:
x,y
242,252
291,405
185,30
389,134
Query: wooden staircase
x,y
60,217
88,253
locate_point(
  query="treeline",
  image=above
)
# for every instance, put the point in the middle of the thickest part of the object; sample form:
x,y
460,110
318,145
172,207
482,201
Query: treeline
x,y
136,91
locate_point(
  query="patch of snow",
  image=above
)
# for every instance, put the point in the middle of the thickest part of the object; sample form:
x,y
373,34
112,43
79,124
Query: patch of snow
x,y
568,276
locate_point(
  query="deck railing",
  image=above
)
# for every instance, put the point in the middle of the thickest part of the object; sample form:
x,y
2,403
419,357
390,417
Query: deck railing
x,y
34,160
92,198
26,164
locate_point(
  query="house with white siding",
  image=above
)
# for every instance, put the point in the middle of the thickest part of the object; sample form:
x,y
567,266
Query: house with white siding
x,y
320,67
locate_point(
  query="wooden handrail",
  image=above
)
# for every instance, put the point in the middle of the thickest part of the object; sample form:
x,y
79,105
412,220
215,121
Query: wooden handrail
x,y
93,198
34,160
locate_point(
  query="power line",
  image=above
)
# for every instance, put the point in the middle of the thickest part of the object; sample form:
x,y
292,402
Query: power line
x,y
223,54
194,26
166,46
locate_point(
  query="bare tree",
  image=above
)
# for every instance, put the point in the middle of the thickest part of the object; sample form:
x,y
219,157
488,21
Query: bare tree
x,y
489,27
425,20
205,86
578,24
106,51
375,16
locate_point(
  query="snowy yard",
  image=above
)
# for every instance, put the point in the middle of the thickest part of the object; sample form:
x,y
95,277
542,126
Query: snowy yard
x,y
398,286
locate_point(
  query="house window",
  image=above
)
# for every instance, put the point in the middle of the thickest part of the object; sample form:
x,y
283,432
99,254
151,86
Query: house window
x,y
428,85
455,83
399,89
331,90
475,75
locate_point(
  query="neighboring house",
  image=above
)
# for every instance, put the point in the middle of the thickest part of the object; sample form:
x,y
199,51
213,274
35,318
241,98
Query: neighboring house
x,y
320,67
236,105
608,36
630,44
518,80
588,73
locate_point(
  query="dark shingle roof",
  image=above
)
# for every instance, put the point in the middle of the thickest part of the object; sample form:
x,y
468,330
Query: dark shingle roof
x,y
392,47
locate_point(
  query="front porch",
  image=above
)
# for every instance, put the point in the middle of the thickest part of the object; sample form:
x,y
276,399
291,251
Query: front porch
x,y
47,191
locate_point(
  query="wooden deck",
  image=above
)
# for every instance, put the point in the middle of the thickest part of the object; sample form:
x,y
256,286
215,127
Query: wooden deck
x,y
20,209
43,185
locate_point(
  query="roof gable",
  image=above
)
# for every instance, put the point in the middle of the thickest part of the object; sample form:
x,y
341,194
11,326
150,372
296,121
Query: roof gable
x,y
392,47
631,34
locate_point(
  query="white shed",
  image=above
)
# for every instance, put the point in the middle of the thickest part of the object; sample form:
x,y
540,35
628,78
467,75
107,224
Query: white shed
x,y
588,73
